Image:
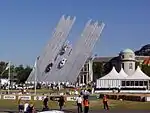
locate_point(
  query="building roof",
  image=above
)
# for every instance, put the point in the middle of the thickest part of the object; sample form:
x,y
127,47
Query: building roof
x,y
127,51
138,75
102,59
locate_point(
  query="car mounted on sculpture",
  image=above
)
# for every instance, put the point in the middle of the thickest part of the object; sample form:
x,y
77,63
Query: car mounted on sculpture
x,y
48,68
63,49
62,63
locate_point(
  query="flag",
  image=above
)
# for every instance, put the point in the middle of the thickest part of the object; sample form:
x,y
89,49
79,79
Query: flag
x,y
8,65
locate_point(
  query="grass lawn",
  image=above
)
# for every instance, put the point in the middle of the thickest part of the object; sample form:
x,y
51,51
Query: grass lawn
x,y
41,91
95,105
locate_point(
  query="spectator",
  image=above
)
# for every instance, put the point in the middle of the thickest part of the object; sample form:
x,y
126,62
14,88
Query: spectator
x,y
31,109
61,102
79,104
20,106
26,105
119,89
105,102
45,104
86,105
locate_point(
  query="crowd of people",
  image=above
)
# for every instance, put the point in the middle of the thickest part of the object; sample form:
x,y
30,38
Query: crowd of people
x,y
82,102
25,107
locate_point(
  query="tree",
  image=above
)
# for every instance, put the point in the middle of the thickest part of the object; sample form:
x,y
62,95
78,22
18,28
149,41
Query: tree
x,y
146,69
4,72
98,70
22,73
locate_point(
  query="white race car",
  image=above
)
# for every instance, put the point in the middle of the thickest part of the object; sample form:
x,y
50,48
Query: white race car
x,y
62,63
52,111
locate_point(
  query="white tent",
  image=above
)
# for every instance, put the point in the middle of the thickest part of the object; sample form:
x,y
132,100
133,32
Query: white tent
x,y
138,75
137,80
122,74
111,80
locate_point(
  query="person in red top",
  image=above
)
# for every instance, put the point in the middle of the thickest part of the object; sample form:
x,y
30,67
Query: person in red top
x,y
86,105
105,102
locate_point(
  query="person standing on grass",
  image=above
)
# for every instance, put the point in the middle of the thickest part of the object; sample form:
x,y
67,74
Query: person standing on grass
x,y
26,105
45,104
105,102
79,104
61,102
31,109
20,106
86,105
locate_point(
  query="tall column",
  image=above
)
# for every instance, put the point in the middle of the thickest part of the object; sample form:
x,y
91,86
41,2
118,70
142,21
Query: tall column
x,y
79,80
90,70
83,79
87,70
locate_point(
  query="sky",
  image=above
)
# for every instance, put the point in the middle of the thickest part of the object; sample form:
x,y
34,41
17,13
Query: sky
x,y
26,25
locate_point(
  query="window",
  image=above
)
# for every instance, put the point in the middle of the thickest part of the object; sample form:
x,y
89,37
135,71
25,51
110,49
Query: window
x,y
85,68
130,56
128,83
136,83
132,83
123,83
123,56
130,66
141,83
145,83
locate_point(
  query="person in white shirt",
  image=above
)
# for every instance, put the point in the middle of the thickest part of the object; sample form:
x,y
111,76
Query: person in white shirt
x,y
26,105
79,103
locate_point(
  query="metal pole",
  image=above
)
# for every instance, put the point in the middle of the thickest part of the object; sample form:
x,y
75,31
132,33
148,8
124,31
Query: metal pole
x,y
35,77
9,78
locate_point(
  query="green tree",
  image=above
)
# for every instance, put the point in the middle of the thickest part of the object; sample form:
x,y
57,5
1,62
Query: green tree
x,y
146,69
3,72
98,70
22,73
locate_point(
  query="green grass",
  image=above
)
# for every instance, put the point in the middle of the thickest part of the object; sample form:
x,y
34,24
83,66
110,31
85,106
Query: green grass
x,y
94,105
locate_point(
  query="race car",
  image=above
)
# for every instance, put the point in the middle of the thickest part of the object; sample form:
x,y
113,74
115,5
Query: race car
x,y
62,63
48,68
63,50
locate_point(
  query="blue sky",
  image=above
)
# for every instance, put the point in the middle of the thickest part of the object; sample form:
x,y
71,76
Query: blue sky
x,y
26,25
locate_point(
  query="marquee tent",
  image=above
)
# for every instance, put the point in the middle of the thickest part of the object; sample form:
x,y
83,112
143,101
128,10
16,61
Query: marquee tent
x,y
138,75
121,79
137,80
110,80
122,74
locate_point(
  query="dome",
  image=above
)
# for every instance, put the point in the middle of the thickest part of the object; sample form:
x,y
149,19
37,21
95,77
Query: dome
x,y
127,51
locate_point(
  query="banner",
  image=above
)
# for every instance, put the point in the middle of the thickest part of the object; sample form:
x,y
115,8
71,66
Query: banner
x,y
147,99
24,97
39,97
72,98
9,97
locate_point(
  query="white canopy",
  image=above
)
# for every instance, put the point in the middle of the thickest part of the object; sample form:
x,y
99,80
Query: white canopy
x,y
138,75
122,74
113,74
111,80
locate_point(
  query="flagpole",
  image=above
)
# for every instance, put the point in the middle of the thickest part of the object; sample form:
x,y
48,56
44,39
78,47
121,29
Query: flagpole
x,y
35,77
9,78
